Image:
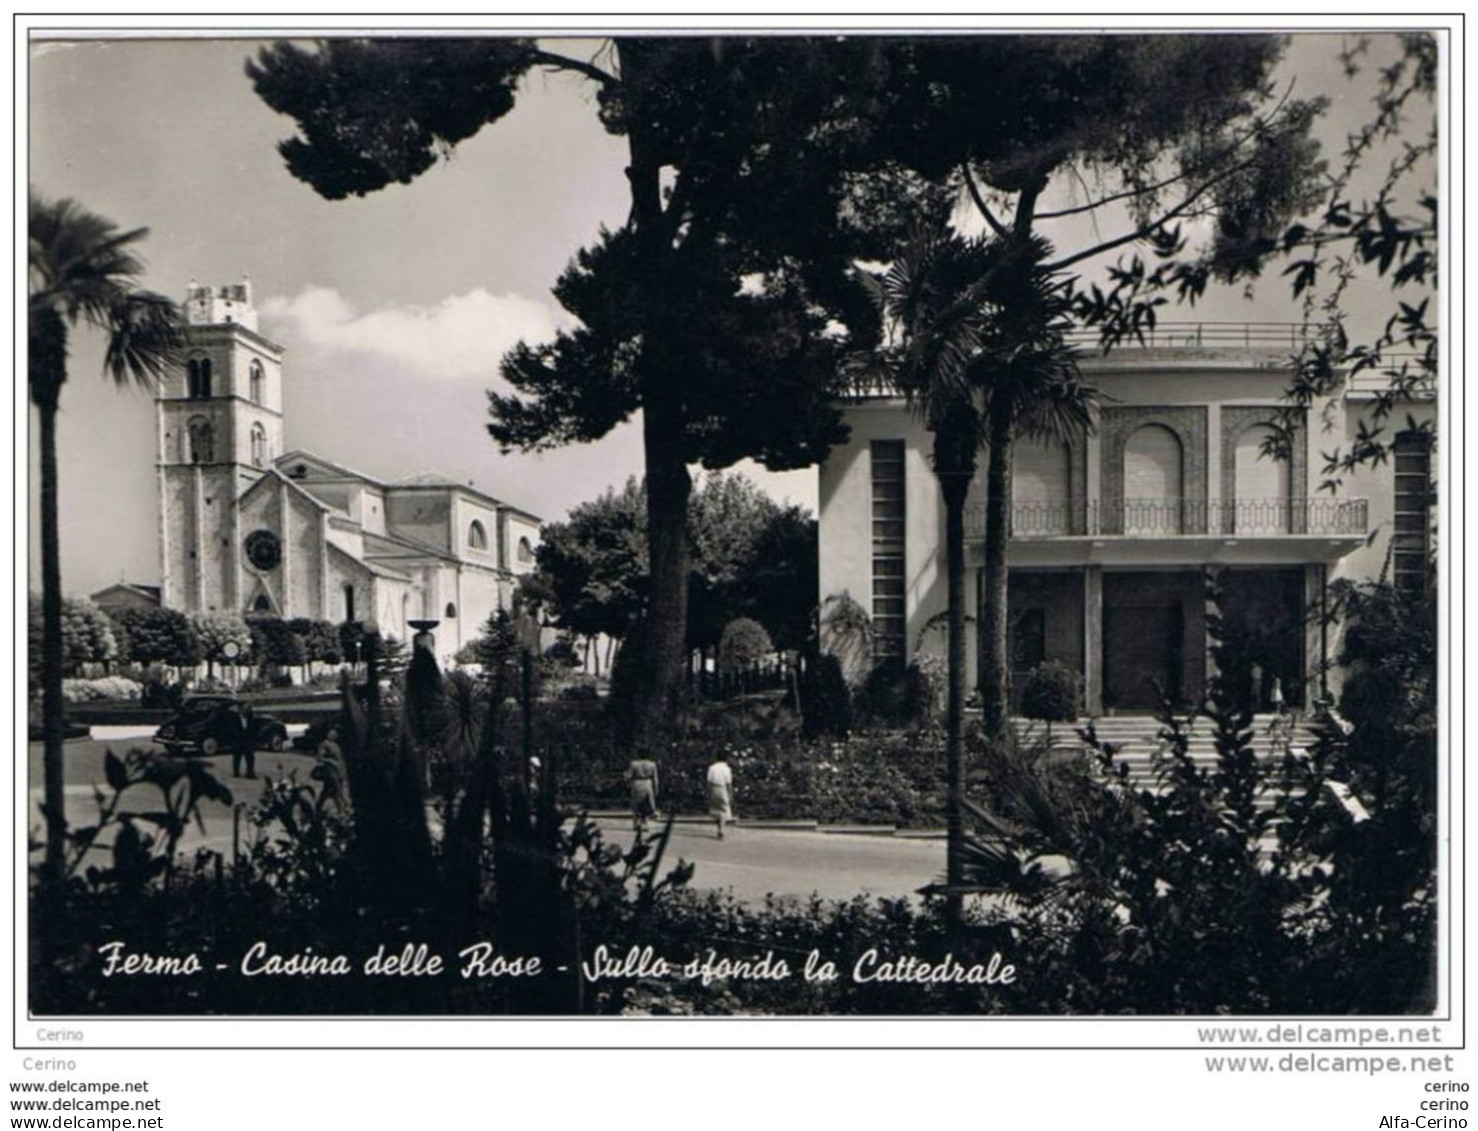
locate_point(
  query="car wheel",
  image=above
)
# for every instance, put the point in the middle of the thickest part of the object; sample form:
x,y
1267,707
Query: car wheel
x,y
210,746
277,742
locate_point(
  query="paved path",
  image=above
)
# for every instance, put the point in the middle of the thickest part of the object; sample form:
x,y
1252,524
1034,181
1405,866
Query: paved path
x,y
756,862
753,862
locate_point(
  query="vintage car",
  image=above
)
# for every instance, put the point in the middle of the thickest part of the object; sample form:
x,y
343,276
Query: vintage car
x,y
206,724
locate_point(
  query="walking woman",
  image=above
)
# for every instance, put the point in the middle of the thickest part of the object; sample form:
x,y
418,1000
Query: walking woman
x,y
642,776
721,794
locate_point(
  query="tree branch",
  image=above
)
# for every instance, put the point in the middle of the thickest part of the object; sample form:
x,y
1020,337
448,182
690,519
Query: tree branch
x,y
1159,222
990,218
541,58
1251,132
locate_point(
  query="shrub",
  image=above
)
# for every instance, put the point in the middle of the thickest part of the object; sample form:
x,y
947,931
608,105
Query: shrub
x,y
845,631
216,631
1053,693
111,688
582,689
899,694
275,645
826,703
163,636
744,644
924,687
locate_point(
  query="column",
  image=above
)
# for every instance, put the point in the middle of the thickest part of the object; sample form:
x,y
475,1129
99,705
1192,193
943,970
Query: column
x,y
285,533
1093,640
1093,478
1217,521
1315,632
196,602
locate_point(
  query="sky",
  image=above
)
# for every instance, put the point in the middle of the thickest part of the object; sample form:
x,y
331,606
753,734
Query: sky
x,y
394,308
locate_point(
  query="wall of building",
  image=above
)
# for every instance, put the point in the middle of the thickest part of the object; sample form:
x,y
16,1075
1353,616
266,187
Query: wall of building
x,y
520,529
845,497
425,516
467,509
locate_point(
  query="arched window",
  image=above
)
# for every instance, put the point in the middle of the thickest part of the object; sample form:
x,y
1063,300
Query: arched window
x,y
197,378
1262,480
261,605
1152,481
201,440
477,536
257,378
1040,491
525,551
451,611
258,446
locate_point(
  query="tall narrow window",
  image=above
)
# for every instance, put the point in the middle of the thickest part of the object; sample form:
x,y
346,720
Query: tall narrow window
x,y
349,603
201,440
1411,541
257,378
477,536
1263,482
1040,491
258,446
1152,478
197,378
888,579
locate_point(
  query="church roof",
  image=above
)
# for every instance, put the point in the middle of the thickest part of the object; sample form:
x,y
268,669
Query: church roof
x,y
428,479
421,480
372,566
273,474
394,544
128,588
298,455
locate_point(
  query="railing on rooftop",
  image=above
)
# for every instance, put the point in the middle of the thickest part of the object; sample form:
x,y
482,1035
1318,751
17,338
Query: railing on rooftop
x,y
1261,336
1161,518
1204,335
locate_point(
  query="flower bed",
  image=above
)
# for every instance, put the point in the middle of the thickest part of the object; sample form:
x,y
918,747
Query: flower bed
x,y
882,778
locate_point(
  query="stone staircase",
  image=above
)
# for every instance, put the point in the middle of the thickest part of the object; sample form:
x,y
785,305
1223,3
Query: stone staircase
x,y
1137,737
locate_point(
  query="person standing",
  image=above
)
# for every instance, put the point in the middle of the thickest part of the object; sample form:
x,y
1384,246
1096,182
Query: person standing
x,y
721,794
642,777
243,742
328,771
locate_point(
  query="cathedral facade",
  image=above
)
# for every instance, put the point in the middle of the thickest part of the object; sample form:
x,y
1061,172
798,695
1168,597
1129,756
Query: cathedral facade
x,y
248,526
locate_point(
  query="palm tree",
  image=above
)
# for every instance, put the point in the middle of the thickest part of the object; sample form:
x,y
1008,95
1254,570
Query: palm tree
x,y
976,339
1033,389
82,271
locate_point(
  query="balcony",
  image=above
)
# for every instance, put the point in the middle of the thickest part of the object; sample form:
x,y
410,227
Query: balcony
x,y
1159,519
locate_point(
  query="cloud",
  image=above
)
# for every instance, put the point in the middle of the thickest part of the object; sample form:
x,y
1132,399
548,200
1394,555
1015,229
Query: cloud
x,y
460,338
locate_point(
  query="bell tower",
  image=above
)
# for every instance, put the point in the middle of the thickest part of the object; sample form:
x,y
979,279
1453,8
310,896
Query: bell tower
x,y
219,417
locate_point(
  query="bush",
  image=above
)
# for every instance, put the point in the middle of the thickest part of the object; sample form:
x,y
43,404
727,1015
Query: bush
x,y
582,689
826,704
744,644
899,694
111,688
163,636
845,631
1053,694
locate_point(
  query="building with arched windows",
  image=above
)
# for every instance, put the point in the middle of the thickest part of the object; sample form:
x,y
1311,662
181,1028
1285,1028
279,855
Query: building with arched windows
x,y
1194,470
248,526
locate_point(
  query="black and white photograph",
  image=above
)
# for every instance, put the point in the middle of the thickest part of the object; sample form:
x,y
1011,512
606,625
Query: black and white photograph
x,y
753,523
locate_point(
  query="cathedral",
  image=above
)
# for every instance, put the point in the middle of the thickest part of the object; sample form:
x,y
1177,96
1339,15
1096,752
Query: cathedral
x,y
247,526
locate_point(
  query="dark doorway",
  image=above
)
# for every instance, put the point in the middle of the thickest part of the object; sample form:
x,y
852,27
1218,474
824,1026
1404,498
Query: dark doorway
x,y
1142,655
1261,633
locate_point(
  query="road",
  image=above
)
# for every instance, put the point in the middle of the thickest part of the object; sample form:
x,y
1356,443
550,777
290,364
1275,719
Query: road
x,y
753,862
